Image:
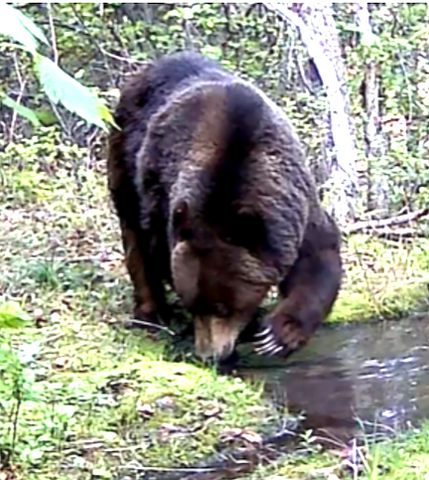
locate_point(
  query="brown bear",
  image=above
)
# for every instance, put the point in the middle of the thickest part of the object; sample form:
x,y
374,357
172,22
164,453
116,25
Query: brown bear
x,y
214,197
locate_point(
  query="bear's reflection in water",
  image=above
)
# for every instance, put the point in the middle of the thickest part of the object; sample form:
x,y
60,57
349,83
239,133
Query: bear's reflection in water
x,y
372,377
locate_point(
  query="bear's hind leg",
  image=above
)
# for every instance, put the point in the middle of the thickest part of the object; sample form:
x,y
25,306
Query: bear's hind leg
x,y
145,274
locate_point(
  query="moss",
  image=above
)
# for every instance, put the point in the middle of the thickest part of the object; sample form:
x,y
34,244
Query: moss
x,y
382,279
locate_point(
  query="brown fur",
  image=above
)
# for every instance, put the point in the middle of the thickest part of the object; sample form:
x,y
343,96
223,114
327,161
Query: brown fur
x,y
214,196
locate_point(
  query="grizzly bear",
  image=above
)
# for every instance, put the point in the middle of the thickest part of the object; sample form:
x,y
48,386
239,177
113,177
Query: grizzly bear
x,y
214,198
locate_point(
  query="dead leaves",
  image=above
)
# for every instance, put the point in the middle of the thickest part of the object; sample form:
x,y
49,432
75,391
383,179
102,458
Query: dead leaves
x,y
166,403
208,412
62,363
213,411
145,410
241,435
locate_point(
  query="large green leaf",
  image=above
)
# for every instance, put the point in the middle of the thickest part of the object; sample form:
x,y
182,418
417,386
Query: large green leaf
x,y
58,85
62,88
20,109
16,25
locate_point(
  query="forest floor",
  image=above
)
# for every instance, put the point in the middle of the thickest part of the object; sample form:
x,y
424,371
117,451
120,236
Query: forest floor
x,y
93,400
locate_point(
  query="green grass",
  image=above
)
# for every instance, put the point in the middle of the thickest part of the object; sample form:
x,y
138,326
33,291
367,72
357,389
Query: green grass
x,y
382,279
94,398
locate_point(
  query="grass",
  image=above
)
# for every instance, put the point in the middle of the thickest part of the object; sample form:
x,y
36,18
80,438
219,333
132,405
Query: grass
x,y
382,279
95,399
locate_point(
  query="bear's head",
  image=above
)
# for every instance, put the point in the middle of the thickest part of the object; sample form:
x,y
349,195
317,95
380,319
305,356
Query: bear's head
x,y
221,275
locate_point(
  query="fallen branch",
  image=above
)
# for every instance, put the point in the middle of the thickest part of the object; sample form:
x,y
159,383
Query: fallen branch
x,y
400,234
386,222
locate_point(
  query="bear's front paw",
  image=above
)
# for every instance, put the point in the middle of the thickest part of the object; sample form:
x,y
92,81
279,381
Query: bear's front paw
x,y
279,336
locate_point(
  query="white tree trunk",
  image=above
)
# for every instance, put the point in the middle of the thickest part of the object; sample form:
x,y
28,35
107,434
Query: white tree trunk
x,y
377,187
343,173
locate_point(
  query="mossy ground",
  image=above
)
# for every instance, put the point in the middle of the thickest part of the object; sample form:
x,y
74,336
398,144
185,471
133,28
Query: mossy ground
x,y
382,279
406,457
95,398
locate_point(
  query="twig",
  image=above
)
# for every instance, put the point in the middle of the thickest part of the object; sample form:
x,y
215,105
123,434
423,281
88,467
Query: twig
x,y
124,449
409,91
302,75
54,338
59,117
95,41
53,36
387,222
141,468
89,258
22,84
18,402
397,234
153,325
129,60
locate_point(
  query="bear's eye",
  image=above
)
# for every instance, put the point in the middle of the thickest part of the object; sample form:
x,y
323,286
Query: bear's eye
x,y
181,221
220,310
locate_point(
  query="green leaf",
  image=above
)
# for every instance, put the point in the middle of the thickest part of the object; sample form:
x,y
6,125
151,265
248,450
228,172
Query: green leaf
x,y
20,109
16,25
46,117
12,315
62,88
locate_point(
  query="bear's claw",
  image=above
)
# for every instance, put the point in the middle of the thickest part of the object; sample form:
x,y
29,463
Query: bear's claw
x,y
267,344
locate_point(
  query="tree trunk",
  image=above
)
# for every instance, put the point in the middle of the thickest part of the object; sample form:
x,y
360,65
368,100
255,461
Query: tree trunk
x,y
317,29
375,143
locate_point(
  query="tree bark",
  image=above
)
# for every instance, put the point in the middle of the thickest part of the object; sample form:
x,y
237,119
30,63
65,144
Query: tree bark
x,y
320,36
375,143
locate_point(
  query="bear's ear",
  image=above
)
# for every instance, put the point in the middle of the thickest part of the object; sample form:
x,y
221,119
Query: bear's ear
x,y
180,221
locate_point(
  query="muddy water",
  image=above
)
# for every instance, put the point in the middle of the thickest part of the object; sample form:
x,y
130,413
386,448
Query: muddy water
x,y
378,373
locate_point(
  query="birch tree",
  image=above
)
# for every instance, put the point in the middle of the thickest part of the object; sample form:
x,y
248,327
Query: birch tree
x,y
316,28
375,143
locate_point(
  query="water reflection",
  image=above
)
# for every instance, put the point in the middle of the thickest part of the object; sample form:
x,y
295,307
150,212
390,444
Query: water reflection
x,y
376,372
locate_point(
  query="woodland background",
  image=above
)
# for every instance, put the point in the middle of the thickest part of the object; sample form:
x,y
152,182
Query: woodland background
x,y
382,66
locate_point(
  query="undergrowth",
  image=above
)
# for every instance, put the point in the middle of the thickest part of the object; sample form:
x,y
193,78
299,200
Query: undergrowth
x,y
382,279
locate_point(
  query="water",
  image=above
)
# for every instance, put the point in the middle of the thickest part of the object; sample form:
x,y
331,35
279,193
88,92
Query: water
x,y
376,372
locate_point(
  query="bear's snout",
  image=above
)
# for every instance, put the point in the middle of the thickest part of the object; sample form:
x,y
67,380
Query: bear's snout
x,y
215,337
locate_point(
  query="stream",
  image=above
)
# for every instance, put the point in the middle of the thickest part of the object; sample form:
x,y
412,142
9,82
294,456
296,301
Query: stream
x,y
375,372
370,378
